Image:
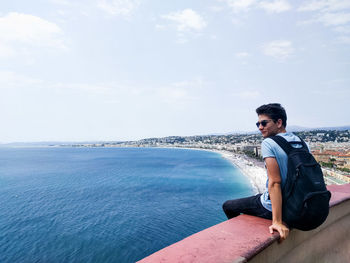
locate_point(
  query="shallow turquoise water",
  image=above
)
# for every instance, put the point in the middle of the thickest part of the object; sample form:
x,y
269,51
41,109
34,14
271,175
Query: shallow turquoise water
x,y
108,204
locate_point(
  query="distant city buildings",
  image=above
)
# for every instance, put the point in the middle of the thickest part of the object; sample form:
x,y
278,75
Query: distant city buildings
x,y
340,159
330,148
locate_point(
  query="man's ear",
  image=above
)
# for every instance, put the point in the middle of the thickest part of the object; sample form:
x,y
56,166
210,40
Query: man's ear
x,y
279,123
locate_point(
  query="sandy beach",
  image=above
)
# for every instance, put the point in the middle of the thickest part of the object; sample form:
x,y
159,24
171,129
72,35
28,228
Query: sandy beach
x,y
251,168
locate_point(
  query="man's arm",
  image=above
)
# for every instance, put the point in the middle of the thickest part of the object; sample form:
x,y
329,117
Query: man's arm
x,y
275,192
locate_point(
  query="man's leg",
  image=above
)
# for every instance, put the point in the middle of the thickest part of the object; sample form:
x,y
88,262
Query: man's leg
x,y
249,205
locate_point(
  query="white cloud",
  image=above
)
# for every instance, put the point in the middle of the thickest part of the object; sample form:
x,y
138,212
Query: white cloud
x,y
338,21
276,6
332,13
30,29
313,6
187,20
240,5
18,30
118,7
329,12
216,8
343,29
335,19
325,5
280,49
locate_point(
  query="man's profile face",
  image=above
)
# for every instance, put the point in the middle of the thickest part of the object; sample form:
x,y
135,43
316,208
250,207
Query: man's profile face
x,y
271,128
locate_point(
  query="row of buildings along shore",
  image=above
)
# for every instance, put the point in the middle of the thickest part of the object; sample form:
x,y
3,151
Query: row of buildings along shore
x,y
330,148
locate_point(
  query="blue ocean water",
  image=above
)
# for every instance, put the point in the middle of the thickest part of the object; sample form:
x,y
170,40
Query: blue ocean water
x,y
108,204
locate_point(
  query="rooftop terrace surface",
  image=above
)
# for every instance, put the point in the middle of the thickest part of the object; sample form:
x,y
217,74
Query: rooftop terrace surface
x,y
242,238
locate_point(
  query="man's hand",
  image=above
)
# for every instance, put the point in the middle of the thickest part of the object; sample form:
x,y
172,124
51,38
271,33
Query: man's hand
x,y
281,229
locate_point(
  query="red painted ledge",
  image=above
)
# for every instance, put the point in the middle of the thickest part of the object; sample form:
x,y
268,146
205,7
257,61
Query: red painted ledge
x,y
340,193
235,240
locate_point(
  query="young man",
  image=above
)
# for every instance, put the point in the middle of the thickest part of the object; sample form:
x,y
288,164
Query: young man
x,y
272,120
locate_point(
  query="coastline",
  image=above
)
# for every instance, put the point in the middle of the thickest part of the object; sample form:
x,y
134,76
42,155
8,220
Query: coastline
x,y
253,169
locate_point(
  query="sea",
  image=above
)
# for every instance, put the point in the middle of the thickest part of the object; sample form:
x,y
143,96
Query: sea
x,y
66,204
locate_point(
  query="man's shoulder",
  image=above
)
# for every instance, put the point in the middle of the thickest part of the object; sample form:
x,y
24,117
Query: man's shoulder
x,y
289,136
271,148
267,142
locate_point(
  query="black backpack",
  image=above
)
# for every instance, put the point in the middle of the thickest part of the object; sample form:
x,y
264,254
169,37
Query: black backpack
x,y
305,198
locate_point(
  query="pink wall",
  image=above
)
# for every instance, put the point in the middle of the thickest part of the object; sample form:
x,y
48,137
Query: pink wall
x,y
246,238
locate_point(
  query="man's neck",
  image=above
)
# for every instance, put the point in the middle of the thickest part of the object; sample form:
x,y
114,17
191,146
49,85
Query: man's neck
x,y
282,130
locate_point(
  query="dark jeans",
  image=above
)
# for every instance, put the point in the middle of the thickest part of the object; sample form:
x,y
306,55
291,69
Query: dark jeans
x,y
249,205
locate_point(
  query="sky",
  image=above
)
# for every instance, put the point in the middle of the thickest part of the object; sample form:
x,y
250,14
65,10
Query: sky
x,y
114,70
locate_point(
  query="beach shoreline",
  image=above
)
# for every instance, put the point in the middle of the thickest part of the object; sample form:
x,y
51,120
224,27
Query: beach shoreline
x,y
251,168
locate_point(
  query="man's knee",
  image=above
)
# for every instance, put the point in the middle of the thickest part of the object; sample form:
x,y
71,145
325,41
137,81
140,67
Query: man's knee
x,y
225,206
230,208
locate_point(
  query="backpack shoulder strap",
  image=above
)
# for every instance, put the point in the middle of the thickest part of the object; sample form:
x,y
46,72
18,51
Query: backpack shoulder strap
x,y
304,144
283,143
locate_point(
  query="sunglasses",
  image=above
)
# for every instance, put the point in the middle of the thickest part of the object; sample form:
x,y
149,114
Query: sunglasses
x,y
263,123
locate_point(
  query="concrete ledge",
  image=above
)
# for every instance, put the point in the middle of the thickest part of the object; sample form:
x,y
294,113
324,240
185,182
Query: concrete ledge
x,y
246,238
328,243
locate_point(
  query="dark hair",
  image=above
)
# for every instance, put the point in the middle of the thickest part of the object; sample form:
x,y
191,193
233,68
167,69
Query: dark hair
x,y
275,111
